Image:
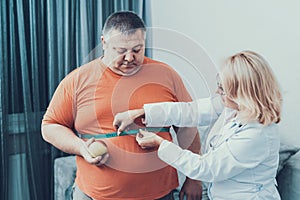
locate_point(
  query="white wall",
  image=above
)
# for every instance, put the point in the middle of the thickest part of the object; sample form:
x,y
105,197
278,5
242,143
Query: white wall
x,y
224,27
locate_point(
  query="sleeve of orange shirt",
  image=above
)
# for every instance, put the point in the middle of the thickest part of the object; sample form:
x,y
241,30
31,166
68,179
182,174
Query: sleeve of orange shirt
x,y
58,121
60,110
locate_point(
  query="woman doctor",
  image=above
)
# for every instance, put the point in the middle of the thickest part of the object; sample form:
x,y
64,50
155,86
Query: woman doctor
x,y
242,159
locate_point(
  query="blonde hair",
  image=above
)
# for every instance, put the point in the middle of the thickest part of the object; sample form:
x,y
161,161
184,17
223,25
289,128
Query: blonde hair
x,y
249,81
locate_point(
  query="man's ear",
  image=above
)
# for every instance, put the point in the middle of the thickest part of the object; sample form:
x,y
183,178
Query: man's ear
x,y
103,42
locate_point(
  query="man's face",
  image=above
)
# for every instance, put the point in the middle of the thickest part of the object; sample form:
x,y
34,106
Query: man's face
x,y
124,54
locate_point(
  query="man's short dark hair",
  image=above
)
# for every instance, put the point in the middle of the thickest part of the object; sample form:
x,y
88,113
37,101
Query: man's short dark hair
x,y
126,22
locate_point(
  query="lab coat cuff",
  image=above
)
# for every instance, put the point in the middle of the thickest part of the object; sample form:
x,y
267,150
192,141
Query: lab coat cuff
x,y
169,152
155,115
148,118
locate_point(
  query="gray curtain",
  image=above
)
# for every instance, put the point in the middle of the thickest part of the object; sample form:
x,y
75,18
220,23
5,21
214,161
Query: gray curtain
x,y
40,42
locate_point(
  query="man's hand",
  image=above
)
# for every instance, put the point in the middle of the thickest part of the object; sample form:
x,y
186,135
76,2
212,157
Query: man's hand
x,y
124,119
84,152
191,189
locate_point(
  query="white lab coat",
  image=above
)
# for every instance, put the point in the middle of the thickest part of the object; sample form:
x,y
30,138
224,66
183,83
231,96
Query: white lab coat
x,y
241,160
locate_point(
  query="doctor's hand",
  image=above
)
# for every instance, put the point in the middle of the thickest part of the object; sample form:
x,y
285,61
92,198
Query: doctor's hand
x,y
148,139
88,156
124,119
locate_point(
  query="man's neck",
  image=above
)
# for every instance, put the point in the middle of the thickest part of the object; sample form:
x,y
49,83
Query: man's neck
x,y
102,58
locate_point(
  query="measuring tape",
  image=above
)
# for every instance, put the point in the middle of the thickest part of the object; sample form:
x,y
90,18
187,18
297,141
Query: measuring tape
x,y
129,132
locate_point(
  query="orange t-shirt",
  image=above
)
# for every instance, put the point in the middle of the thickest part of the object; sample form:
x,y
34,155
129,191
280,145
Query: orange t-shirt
x,y
87,100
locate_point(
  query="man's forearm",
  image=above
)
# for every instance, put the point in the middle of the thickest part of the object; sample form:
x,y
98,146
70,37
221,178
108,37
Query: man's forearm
x,y
62,138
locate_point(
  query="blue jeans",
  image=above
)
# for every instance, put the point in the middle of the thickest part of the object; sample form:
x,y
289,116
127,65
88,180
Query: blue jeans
x,y
77,194
204,195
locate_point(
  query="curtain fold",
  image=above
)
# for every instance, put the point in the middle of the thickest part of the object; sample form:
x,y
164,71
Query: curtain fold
x,y
3,99
41,41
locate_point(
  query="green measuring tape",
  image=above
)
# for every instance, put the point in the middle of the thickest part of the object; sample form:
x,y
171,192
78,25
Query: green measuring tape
x,y
129,132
